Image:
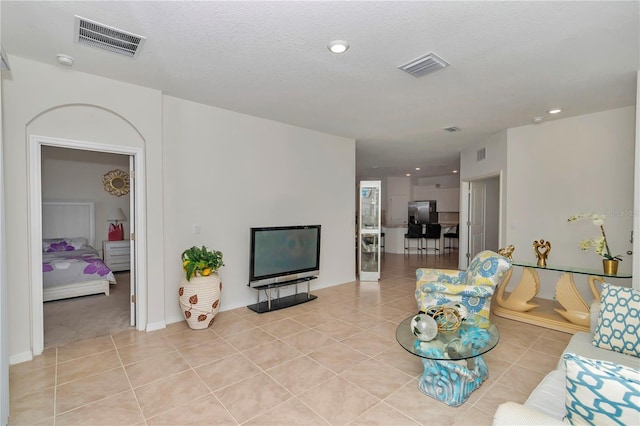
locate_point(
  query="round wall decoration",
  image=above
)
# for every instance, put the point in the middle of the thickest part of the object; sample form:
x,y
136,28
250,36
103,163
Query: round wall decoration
x,y
116,182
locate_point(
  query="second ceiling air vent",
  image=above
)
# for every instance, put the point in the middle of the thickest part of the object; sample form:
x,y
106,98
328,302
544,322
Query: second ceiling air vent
x,y
424,65
108,38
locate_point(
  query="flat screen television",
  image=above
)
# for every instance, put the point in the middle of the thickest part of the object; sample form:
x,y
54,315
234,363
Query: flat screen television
x,y
284,253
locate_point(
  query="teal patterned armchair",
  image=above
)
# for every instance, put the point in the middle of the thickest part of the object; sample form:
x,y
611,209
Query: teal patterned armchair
x,y
472,288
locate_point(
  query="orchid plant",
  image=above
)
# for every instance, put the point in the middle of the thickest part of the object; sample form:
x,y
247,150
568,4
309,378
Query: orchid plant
x,y
599,244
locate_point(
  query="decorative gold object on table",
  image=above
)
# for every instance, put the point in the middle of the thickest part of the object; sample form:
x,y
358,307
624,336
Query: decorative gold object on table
x,y
542,249
610,266
447,318
507,252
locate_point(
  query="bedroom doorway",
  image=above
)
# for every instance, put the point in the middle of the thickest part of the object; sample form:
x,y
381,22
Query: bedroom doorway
x,y
134,158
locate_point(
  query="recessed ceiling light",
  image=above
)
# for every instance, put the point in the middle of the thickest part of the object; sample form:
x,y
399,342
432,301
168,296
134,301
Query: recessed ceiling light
x,y
417,168
408,174
338,46
555,111
455,171
64,60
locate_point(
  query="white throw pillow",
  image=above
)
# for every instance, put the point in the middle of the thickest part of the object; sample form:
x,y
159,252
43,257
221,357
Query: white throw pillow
x,y
601,392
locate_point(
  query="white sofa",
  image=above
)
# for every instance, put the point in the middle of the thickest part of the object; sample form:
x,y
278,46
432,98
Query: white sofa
x,y
546,404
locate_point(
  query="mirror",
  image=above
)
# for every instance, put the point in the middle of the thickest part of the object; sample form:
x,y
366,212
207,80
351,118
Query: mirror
x,y
116,182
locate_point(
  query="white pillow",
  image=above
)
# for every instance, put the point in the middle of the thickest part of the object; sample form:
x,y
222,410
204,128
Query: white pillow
x,y
601,392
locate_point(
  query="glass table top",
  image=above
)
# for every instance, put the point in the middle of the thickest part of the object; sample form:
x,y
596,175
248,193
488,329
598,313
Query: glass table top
x,y
467,341
573,270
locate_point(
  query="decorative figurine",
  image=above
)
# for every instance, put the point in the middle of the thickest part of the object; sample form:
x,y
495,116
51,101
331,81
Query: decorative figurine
x,y
542,249
507,252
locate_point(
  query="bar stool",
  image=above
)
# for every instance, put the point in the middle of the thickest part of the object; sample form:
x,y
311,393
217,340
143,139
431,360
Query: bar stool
x,y
452,236
414,232
433,233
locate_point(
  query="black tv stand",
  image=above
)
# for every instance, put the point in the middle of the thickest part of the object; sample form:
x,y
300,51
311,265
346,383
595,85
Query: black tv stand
x,y
273,304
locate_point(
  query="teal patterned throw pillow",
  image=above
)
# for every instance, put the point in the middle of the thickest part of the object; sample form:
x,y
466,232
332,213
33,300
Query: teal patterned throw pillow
x,y
618,320
601,392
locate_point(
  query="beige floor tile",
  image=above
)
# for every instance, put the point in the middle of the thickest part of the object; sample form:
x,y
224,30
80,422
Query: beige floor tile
x,y
207,352
272,354
290,412
475,417
521,379
506,351
249,339
376,378
300,374
31,382
120,409
227,371
252,397
90,389
190,337
337,329
557,335
313,318
423,409
338,401
308,341
130,337
47,358
338,357
402,360
549,346
265,317
145,349
384,329
89,365
284,328
383,415
204,411
496,395
368,343
32,408
152,369
85,348
538,361
362,315
164,394
232,327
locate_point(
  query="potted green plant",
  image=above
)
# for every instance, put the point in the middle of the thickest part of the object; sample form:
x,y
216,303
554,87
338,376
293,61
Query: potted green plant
x,y
200,286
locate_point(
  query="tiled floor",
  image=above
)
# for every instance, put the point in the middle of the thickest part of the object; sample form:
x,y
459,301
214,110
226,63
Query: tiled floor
x,y
333,361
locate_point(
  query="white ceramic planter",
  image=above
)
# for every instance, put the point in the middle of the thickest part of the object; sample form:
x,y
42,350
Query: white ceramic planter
x,y
200,300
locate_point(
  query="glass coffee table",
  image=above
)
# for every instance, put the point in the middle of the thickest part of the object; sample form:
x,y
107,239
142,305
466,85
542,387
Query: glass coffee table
x,y
453,364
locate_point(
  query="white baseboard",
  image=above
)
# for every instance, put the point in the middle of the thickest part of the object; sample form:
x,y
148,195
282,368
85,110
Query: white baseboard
x,y
173,320
156,325
18,358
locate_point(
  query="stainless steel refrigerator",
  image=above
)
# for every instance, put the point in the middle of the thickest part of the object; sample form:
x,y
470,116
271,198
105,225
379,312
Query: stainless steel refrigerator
x,y
423,212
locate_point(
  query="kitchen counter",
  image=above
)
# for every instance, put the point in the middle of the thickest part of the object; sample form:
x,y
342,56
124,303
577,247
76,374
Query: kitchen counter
x,y
394,237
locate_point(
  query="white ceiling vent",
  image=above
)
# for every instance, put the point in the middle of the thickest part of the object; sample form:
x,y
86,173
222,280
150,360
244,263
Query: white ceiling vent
x,y
104,37
452,129
424,65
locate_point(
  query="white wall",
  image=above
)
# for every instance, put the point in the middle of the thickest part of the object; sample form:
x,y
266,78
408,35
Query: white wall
x,y
636,199
552,170
76,175
59,102
283,167
494,164
228,172
564,167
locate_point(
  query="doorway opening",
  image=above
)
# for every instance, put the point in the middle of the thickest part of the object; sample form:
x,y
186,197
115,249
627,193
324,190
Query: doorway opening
x,y
136,214
483,216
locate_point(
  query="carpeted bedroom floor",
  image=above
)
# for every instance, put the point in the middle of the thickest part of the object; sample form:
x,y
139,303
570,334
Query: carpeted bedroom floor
x,y
80,318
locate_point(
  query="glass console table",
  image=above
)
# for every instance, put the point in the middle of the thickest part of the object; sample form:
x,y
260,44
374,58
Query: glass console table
x,y
569,312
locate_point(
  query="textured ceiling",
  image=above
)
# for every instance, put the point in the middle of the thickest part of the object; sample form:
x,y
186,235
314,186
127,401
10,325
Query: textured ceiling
x,y
510,62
